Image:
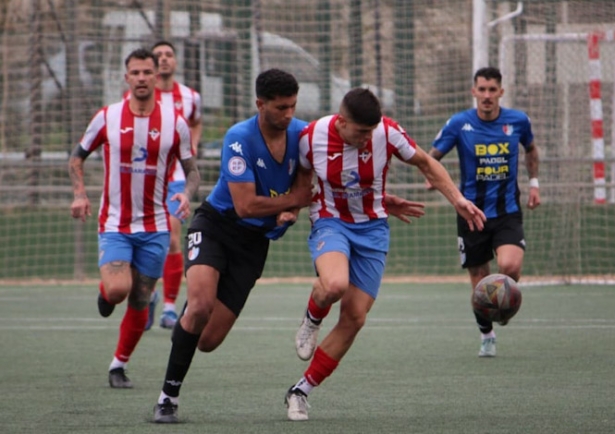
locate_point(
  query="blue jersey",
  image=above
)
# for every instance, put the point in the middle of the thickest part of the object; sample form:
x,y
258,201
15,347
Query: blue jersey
x,y
246,158
488,157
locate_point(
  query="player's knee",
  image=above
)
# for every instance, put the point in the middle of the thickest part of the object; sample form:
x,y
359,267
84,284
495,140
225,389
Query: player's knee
x,y
333,290
199,313
511,269
209,344
117,291
353,320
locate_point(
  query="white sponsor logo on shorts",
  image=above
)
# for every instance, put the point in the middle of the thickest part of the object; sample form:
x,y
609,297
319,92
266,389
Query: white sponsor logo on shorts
x,y
193,253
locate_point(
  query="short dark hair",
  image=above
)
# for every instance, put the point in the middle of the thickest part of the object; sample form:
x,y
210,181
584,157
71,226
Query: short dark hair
x,y
141,54
161,43
362,106
275,82
489,73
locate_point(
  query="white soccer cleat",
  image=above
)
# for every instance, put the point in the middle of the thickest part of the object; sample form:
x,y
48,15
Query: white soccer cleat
x,y
487,348
296,402
306,339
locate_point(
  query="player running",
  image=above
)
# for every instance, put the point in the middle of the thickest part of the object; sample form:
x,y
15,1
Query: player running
x,y
350,153
139,139
254,201
488,140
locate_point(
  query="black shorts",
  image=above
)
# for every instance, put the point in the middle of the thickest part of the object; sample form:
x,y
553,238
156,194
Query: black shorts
x,y
478,247
236,251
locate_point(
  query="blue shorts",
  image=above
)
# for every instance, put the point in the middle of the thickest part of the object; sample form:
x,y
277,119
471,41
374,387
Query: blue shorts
x,y
364,244
145,251
173,188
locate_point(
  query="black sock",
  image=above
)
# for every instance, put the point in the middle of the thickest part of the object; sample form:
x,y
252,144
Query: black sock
x,y
182,352
484,325
315,321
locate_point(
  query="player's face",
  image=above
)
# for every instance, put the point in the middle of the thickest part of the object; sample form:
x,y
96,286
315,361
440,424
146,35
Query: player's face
x,y
167,63
354,134
487,94
278,112
141,78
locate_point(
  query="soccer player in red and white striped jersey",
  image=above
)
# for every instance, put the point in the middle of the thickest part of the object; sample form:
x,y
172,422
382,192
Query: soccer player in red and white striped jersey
x,y
350,153
139,138
186,102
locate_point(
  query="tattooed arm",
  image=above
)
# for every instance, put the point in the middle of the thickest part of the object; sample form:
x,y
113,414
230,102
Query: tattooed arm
x,y
81,207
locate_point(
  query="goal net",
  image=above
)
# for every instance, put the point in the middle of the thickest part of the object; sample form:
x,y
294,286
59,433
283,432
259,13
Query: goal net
x,y
62,60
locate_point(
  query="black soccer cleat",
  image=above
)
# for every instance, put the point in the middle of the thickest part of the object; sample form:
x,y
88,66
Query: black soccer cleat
x,y
118,379
104,307
166,412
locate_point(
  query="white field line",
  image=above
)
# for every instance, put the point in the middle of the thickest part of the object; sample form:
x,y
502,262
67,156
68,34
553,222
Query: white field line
x,y
279,324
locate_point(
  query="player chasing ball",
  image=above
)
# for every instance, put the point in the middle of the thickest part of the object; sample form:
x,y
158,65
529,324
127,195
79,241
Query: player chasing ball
x,y
488,139
350,153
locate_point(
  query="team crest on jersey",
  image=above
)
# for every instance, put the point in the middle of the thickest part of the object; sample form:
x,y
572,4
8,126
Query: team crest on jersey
x,y
237,166
365,156
154,134
291,166
508,129
178,105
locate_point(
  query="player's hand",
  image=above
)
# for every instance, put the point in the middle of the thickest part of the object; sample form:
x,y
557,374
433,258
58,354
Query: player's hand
x,y
471,213
286,217
183,210
534,198
81,208
402,208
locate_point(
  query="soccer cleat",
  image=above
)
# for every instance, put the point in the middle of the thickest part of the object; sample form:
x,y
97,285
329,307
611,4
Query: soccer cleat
x,y
165,412
153,301
297,404
104,307
306,339
487,348
118,379
168,319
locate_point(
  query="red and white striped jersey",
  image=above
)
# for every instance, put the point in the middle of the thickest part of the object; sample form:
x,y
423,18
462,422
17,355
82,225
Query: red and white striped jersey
x,y
351,181
137,155
187,102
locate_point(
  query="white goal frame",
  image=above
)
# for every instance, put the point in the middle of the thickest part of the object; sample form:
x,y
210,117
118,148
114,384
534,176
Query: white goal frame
x,y
594,84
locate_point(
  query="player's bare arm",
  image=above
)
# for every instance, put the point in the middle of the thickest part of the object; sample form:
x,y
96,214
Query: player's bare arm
x,y
434,153
248,204
195,134
437,176
531,163
192,185
403,209
81,207
302,180
193,178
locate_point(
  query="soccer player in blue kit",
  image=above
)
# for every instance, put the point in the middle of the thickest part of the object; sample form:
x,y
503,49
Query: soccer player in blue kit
x,y
255,200
488,140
